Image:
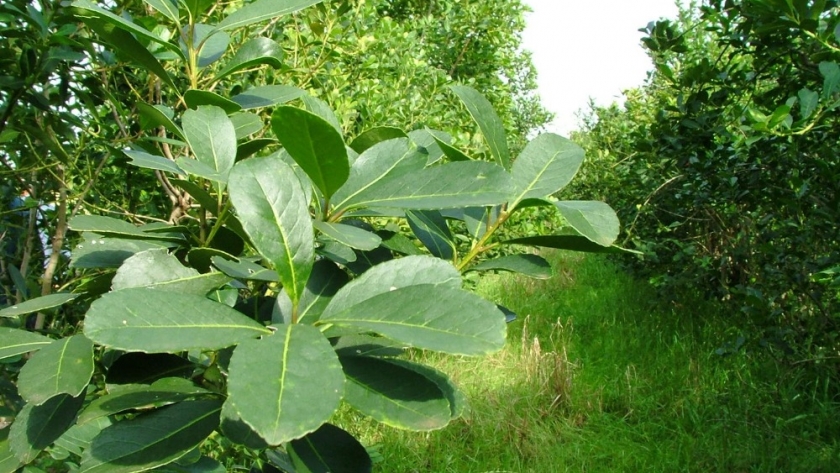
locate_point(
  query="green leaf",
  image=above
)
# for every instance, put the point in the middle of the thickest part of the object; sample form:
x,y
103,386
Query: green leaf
x,y
547,164
263,10
244,269
451,152
16,342
207,201
157,115
394,395
349,235
96,251
831,74
77,439
808,102
314,145
383,162
127,397
426,142
63,367
456,398
112,226
199,169
322,109
246,124
366,346
376,135
195,98
37,427
203,465
169,9
490,124
254,52
267,95
429,317
160,270
337,252
88,9
431,229
132,49
9,462
272,207
212,138
149,161
147,368
154,321
151,440
394,274
326,279
38,304
566,242
252,147
451,185
329,450
594,220
398,242
238,431
210,43
285,385
528,265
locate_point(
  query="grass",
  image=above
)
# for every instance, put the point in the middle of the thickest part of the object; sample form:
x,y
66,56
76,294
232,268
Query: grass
x,y
598,375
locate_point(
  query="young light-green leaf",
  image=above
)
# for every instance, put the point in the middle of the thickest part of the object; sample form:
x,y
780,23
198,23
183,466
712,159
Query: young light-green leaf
x,y
154,321
212,138
152,440
160,270
314,145
38,304
285,385
592,219
260,10
272,207
63,367
488,121
394,395
546,165
15,342
427,316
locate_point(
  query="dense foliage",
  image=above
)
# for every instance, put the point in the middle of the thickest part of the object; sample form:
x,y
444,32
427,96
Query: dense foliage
x,y
724,167
303,251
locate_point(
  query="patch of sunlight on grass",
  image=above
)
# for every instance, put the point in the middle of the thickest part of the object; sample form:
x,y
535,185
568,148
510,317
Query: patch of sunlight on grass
x,y
599,375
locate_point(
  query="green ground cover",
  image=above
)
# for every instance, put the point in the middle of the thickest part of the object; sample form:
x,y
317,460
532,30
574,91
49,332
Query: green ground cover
x,y
601,375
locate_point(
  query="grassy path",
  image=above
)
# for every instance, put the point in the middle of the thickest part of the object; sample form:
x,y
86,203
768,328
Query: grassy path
x,y
597,376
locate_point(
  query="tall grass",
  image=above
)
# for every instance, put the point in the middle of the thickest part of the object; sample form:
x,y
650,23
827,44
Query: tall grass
x,y
599,375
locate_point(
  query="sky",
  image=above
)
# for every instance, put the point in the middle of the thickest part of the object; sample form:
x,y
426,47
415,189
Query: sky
x,y
588,48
